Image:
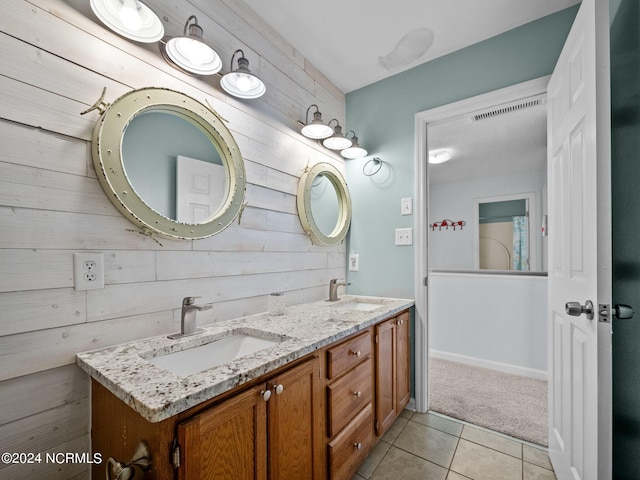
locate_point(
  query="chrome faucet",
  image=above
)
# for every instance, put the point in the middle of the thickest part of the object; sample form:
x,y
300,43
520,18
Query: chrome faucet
x,y
333,289
188,319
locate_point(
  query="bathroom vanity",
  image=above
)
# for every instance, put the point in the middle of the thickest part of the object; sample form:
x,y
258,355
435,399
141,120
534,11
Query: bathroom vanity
x,y
303,395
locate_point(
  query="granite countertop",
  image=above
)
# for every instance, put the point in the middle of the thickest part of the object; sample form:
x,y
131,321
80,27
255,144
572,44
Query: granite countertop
x,y
157,394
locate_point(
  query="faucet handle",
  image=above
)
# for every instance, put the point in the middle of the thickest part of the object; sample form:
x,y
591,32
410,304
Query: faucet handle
x,y
189,300
333,281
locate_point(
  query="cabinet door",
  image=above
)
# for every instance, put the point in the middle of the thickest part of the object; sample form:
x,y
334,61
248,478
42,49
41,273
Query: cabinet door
x,y
403,354
296,424
227,441
386,368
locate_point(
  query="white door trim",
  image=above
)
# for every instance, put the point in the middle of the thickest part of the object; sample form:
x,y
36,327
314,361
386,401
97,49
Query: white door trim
x,y
421,187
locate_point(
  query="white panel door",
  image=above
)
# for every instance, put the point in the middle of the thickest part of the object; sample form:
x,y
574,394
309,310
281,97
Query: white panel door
x,y
200,189
580,250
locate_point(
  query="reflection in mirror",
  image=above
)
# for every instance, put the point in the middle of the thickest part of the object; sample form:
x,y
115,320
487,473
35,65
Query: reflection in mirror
x,y
151,145
324,204
168,163
503,231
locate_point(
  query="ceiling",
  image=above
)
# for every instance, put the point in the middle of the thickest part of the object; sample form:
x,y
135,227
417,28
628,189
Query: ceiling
x,y
357,42
503,144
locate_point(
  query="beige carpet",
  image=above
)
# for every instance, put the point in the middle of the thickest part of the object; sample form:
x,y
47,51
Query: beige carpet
x,y
505,403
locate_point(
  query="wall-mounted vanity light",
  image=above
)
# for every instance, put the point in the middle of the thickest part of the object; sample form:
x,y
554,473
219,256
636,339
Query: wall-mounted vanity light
x,y
337,141
129,18
355,150
317,129
241,82
190,52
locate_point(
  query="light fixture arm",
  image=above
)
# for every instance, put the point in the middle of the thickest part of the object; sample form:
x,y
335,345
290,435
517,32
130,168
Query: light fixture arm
x,y
316,113
194,29
233,57
337,123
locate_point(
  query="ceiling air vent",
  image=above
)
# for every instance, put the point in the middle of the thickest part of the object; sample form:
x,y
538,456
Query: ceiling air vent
x,y
514,107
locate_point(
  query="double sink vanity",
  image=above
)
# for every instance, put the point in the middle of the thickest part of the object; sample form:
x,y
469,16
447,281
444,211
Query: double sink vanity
x,y
298,396
303,395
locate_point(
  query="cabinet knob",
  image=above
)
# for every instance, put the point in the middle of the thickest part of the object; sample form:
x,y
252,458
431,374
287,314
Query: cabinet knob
x,y
358,445
357,353
266,395
357,394
278,389
399,322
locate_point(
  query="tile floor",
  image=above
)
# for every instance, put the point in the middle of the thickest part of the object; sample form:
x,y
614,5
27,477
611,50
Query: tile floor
x,y
431,447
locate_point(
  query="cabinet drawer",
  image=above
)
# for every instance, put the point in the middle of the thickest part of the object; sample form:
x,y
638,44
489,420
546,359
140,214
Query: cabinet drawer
x,y
347,396
349,449
348,354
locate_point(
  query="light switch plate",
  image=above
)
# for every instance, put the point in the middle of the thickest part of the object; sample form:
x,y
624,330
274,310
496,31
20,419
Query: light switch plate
x,y
404,236
354,262
406,206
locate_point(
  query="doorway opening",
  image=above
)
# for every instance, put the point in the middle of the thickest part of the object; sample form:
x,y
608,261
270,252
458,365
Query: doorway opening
x,y
473,316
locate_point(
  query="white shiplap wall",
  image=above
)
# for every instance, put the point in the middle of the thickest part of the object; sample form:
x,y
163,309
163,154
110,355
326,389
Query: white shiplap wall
x,y
55,58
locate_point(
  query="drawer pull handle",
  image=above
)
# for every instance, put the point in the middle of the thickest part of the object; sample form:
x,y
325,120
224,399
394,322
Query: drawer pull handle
x,y
357,394
357,353
278,389
358,445
266,395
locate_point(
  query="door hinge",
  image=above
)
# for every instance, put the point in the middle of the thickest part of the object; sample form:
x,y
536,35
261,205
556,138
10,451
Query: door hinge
x,y
377,425
175,453
426,281
377,339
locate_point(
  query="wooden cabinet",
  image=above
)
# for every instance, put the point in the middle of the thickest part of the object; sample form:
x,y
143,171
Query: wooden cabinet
x,y
392,369
319,421
349,405
267,432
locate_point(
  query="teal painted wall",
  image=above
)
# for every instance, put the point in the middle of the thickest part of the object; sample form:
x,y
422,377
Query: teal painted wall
x,y
625,136
383,116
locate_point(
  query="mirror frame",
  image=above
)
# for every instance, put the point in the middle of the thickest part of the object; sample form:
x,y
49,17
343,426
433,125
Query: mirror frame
x,y
108,162
304,205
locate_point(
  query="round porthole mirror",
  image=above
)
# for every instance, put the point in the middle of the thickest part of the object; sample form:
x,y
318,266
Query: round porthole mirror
x,y
168,163
324,205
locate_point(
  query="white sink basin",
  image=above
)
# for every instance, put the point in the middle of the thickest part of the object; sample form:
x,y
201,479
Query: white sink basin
x,y
360,306
218,352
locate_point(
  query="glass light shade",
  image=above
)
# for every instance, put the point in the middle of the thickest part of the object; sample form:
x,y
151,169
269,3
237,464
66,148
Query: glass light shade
x,y
355,150
439,156
190,53
241,82
129,18
316,130
337,141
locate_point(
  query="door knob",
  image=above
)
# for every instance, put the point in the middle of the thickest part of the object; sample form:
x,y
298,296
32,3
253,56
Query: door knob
x,y
575,309
622,312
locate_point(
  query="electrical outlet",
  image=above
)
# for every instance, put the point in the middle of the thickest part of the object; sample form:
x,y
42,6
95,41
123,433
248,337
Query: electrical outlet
x,y
88,271
406,206
404,236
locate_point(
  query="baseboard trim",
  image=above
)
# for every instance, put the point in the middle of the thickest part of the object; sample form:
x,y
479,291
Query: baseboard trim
x,y
502,367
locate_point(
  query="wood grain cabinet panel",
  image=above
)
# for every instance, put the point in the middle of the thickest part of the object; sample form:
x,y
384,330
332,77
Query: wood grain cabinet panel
x,y
348,354
392,370
351,446
348,395
226,441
